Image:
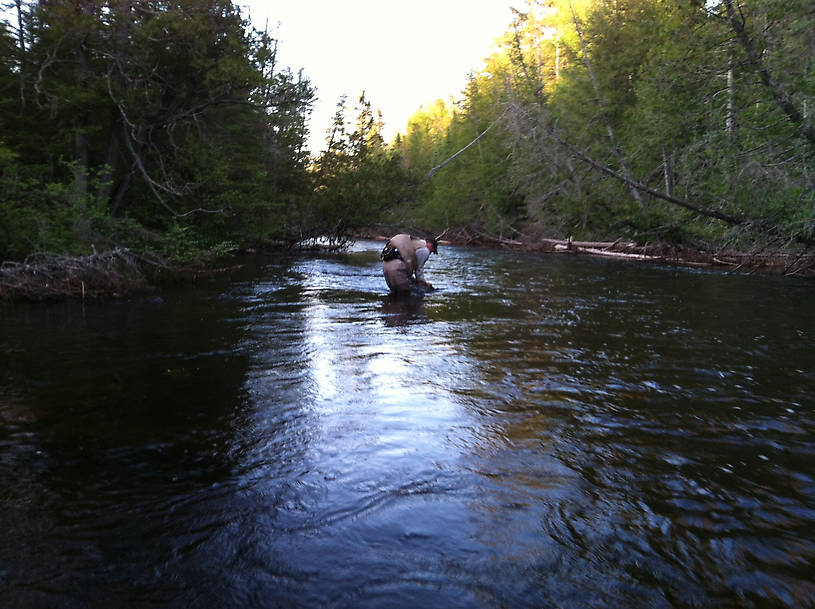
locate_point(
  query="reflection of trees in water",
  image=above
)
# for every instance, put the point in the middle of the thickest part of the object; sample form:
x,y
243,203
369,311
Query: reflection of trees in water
x,y
127,373
543,425
125,411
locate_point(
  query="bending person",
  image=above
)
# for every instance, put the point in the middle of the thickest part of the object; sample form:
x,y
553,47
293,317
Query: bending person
x,y
403,260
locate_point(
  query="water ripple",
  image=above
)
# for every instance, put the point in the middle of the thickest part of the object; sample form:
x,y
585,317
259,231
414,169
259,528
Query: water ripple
x,y
538,432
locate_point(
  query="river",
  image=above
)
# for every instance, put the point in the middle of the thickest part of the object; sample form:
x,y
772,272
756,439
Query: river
x,y
541,431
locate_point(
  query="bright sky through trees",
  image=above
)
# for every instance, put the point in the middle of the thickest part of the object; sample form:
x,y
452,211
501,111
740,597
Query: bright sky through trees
x,y
401,53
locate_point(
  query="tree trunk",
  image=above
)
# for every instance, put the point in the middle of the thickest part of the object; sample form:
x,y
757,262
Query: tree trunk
x,y
730,121
21,42
668,171
81,122
116,184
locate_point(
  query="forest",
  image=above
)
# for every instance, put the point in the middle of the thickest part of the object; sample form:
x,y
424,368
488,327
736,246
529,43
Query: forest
x,y
169,129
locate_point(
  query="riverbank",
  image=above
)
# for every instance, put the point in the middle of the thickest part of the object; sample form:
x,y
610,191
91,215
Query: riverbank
x,y
50,277
115,273
123,272
789,264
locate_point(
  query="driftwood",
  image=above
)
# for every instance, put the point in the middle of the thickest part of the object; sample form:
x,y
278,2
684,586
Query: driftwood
x,y
609,249
788,264
569,244
611,254
801,264
53,277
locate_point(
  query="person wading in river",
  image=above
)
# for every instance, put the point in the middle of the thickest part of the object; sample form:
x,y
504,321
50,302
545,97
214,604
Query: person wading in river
x,y
403,259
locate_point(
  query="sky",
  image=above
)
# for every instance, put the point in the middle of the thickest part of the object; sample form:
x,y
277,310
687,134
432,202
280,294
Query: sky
x,y
402,53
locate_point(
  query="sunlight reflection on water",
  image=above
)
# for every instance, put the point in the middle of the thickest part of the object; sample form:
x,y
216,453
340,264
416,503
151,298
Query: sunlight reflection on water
x,y
540,431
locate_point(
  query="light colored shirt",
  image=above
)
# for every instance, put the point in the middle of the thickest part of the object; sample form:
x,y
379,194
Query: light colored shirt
x,y
422,254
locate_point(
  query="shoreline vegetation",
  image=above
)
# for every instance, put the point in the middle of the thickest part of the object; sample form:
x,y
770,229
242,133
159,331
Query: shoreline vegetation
x,y
789,264
112,274
140,144
121,272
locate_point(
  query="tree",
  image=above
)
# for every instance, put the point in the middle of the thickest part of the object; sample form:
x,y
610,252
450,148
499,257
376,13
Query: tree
x,y
653,120
358,178
154,112
670,103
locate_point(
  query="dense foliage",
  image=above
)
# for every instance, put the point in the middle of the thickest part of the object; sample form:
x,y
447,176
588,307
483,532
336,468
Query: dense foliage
x,y
152,123
170,126
357,178
656,120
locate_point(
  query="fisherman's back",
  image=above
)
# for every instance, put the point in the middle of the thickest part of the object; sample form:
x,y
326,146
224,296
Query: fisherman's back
x,y
407,246
403,257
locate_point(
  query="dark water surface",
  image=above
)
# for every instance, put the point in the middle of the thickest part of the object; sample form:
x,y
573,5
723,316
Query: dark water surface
x,y
542,431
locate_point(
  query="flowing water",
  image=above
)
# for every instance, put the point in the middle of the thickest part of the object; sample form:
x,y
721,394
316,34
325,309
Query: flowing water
x,y
542,431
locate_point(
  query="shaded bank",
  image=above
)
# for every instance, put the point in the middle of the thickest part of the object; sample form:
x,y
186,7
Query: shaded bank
x,y
122,272
111,274
799,262
43,277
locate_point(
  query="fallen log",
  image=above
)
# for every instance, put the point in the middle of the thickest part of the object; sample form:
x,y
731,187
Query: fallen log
x,y
611,254
606,252
569,243
566,244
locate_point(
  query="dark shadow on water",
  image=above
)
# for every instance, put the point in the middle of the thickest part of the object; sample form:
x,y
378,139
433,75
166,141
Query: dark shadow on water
x,y
403,309
539,432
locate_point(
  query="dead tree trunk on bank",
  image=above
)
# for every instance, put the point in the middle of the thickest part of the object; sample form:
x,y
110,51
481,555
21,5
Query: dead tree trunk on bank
x,y
21,43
